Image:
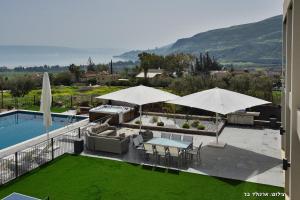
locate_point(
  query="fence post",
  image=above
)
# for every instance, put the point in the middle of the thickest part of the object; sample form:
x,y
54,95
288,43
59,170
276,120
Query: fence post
x,y
16,165
2,100
52,101
52,149
16,103
71,101
79,133
34,100
91,100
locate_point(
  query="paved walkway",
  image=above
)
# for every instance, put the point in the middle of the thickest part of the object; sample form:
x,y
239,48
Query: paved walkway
x,y
252,155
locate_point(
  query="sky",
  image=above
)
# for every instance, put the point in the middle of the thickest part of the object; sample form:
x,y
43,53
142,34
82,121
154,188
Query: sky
x,y
125,24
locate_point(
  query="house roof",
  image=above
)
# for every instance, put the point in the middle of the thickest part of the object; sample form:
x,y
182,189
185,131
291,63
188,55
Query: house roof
x,y
151,73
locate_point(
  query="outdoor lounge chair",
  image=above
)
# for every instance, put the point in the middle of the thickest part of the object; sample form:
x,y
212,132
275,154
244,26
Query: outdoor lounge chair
x,y
165,135
176,137
37,155
7,171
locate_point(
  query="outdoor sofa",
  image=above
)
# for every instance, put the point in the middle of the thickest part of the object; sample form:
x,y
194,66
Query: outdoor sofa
x,y
103,137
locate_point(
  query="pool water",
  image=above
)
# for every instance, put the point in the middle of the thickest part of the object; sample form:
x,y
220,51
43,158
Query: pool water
x,y
20,126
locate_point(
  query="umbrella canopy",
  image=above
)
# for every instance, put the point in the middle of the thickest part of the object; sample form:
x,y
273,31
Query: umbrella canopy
x,y
46,100
219,101
139,95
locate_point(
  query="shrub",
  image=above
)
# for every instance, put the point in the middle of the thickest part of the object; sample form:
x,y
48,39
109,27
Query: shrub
x,y
63,78
85,89
84,104
160,124
195,123
200,127
137,122
154,119
186,125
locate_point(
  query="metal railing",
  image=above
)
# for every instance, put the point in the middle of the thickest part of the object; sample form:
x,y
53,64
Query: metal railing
x,y
67,101
23,161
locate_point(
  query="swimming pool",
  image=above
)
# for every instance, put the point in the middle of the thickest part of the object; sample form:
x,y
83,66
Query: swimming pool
x,y
19,126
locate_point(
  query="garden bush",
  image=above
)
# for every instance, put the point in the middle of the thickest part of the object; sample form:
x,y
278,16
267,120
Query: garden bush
x,y
160,124
200,127
154,119
186,125
195,123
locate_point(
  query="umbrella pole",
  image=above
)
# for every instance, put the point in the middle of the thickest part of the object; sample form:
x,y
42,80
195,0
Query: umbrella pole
x,y
140,118
217,127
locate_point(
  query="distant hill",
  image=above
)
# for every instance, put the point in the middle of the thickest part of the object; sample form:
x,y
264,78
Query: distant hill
x,y
256,43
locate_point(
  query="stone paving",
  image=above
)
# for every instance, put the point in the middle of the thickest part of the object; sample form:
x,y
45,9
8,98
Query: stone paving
x,y
251,154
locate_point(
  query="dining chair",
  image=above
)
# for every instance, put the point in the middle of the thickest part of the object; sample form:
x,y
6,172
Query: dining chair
x,y
161,152
140,138
176,137
165,135
175,152
195,152
149,150
188,138
137,144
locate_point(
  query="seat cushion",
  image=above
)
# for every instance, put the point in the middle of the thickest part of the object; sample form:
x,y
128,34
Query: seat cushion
x,y
99,128
107,133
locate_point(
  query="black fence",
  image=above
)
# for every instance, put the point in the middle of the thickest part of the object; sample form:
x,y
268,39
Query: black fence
x,y
23,161
63,101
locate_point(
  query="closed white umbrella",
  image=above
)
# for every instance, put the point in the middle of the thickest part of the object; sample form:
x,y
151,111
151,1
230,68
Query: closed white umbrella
x,y
46,101
139,95
220,101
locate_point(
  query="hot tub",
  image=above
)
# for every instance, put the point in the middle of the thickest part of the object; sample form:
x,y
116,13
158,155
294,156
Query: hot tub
x,y
119,114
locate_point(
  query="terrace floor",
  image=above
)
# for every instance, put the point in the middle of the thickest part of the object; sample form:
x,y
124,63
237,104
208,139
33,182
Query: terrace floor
x,y
251,154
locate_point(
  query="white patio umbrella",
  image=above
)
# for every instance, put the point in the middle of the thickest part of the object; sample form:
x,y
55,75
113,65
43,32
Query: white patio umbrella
x,y
139,95
220,101
46,100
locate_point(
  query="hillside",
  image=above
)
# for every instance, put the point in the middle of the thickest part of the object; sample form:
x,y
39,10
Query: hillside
x,y
256,43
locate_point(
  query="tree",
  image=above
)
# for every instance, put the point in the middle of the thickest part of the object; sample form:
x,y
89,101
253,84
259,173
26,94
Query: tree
x,y
63,78
90,65
21,86
145,59
177,63
76,71
101,68
205,64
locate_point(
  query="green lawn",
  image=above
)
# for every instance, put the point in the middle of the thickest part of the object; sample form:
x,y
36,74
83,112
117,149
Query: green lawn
x,y
78,177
